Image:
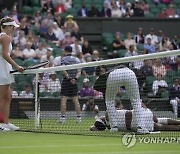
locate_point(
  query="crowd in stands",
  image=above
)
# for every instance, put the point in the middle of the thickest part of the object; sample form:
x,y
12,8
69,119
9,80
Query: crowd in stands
x,y
46,34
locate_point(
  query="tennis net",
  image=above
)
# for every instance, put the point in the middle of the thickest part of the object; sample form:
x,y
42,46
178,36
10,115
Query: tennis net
x,y
156,74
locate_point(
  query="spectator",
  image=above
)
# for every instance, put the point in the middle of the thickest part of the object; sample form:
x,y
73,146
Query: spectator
x,y
50,36
86,91
164,44
171,13
40,51
70,24
77,35
175,42
37,18
58,32
90,106
43,81
132,52
154,38
53,83
159,85
156,2
95,55
24,25
43,29
159,68
147,68
17,53
83,11
80,57
48,57
58,20
121,5
139,37
160,35
138,12
149,47
166,1
67,4
145,6
20,39
115,11
174,95
28,52
48,6
76,48
14,15
94,12
60,7
66,41
129,41
162,14
89,70
86,48
48,19
129,10
106,11
27,93
117,44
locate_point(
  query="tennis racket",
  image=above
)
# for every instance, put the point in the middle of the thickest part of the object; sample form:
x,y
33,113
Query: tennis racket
x,y
33,66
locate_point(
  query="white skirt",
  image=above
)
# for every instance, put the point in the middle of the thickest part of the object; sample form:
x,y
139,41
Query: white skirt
x,y
5,76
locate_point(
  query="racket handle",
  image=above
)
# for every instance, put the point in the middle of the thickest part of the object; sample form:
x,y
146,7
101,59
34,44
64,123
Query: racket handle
x,y
13,71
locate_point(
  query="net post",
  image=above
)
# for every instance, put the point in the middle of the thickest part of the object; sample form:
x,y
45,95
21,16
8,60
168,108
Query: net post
x,y
37,103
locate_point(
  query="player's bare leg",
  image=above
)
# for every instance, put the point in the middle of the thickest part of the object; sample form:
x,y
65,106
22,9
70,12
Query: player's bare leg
x,y
77,108
168,121
63,108
162,127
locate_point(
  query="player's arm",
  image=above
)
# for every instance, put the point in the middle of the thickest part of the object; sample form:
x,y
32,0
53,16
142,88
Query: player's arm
x,y
5,41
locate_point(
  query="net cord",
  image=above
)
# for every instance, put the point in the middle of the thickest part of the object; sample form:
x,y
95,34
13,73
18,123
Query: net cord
x,y
105,62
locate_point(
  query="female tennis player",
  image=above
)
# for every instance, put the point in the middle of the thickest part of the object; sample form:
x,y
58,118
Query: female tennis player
x,y
7,26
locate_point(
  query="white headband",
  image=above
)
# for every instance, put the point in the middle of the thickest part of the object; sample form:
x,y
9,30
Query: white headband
x,y
11,23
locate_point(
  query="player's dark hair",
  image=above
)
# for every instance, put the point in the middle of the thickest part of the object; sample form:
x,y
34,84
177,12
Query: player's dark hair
x,y
4,20
99,125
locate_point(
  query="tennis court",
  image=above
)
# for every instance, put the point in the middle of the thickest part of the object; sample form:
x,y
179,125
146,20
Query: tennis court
x,y
49,143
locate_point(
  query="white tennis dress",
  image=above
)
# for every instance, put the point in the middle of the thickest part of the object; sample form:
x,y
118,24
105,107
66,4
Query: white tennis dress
x,y
5,68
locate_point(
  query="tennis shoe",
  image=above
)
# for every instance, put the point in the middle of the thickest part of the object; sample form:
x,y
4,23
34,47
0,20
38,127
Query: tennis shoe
x,y
10,126
114,129
3,129
62,120
141,130
78,120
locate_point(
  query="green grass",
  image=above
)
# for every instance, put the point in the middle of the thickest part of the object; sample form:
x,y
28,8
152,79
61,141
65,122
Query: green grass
x,y
45,143
57,140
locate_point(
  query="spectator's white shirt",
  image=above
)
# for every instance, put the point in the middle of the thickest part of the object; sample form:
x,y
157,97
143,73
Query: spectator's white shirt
x,y
57,61
154,39
41,52
76,51
157,83
14,94
116,13
44,58
23,94
29,53
129,42
59,33
54,86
